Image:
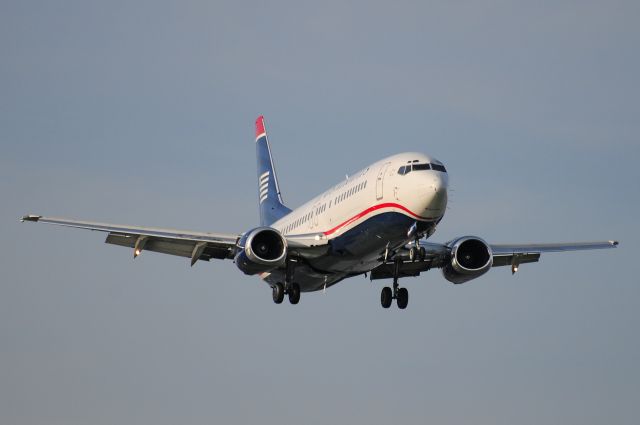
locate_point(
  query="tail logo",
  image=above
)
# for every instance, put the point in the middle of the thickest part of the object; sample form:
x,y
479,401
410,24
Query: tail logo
x,y
263,183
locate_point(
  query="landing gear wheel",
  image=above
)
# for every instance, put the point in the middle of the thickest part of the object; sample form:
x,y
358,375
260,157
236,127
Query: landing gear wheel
x,y
413,253
402,298
386,297
277,292
423,253
294,293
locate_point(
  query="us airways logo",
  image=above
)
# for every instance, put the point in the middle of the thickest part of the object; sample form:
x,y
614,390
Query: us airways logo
x,y
263,183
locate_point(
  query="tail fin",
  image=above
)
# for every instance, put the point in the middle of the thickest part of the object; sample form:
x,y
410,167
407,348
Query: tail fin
x,y
271,206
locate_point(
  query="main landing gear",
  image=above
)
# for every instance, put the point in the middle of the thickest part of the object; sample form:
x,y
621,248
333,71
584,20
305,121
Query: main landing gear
x,y
291,289
278,293
401,295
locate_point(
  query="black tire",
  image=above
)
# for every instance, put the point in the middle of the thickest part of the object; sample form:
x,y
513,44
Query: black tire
x,y
278,293
294,293
386,297
403,298
423,253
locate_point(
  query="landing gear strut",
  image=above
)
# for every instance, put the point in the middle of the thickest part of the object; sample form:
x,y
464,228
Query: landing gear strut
x,y
417,252
401,295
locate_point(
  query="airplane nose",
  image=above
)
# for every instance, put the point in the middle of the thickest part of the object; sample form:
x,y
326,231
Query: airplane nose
x,y
438,182
437,196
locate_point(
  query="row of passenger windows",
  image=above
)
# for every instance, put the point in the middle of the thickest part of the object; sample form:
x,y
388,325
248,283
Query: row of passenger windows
x,y
298,222
406,169
304,219
355,189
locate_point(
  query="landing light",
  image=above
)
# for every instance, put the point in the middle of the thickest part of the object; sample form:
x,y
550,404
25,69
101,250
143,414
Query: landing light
x,y
137,252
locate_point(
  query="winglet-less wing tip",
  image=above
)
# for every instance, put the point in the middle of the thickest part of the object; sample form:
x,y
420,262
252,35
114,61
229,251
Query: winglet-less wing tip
x,y
30,217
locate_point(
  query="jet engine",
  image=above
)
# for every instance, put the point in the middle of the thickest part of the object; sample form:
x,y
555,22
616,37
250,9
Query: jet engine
x,y
471,257
261,250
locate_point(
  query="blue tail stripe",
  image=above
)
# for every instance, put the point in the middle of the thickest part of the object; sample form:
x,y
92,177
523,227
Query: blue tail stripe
x,y
269,198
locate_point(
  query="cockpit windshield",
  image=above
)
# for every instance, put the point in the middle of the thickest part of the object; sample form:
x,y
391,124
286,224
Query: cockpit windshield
x,y
418,167
406,169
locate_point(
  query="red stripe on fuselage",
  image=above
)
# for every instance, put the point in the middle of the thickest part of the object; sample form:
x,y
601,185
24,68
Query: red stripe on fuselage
x,y
375,208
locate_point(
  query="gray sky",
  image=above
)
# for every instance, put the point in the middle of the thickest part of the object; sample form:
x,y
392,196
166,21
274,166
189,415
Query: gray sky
x,y
141,112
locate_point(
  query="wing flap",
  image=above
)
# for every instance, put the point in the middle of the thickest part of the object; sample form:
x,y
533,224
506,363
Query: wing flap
x,y
509,260
407,269
181,248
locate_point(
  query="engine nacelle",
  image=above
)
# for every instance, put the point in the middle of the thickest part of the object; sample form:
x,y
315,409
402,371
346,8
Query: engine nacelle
x,y
261,250
471,257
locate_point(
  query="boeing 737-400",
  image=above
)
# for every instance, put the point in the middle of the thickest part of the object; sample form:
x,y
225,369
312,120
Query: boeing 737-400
x,y
376,221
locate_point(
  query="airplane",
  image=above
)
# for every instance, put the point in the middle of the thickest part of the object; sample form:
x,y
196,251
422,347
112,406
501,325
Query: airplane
x,y
376,222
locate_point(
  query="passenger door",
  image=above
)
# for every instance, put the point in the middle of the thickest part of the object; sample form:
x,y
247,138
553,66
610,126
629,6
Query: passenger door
x,y
380,181
314,219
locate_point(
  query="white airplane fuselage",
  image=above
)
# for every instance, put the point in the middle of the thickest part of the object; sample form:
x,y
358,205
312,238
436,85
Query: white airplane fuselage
x,y
376,210
372,222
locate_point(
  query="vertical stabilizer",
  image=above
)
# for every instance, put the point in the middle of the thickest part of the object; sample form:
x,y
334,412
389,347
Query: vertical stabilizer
x,y
270,201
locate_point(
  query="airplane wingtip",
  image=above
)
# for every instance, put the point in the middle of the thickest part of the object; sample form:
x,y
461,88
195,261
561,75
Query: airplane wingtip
x,y
30,217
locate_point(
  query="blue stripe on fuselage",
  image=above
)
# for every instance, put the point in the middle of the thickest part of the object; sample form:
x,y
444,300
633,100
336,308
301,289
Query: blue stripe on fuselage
x,y
360,248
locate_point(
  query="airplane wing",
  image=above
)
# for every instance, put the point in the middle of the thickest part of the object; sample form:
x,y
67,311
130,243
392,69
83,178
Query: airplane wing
x,y
510,255
503,255
193,245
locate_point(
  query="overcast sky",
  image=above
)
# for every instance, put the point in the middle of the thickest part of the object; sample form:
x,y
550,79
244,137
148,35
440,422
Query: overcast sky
x,y
141,112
